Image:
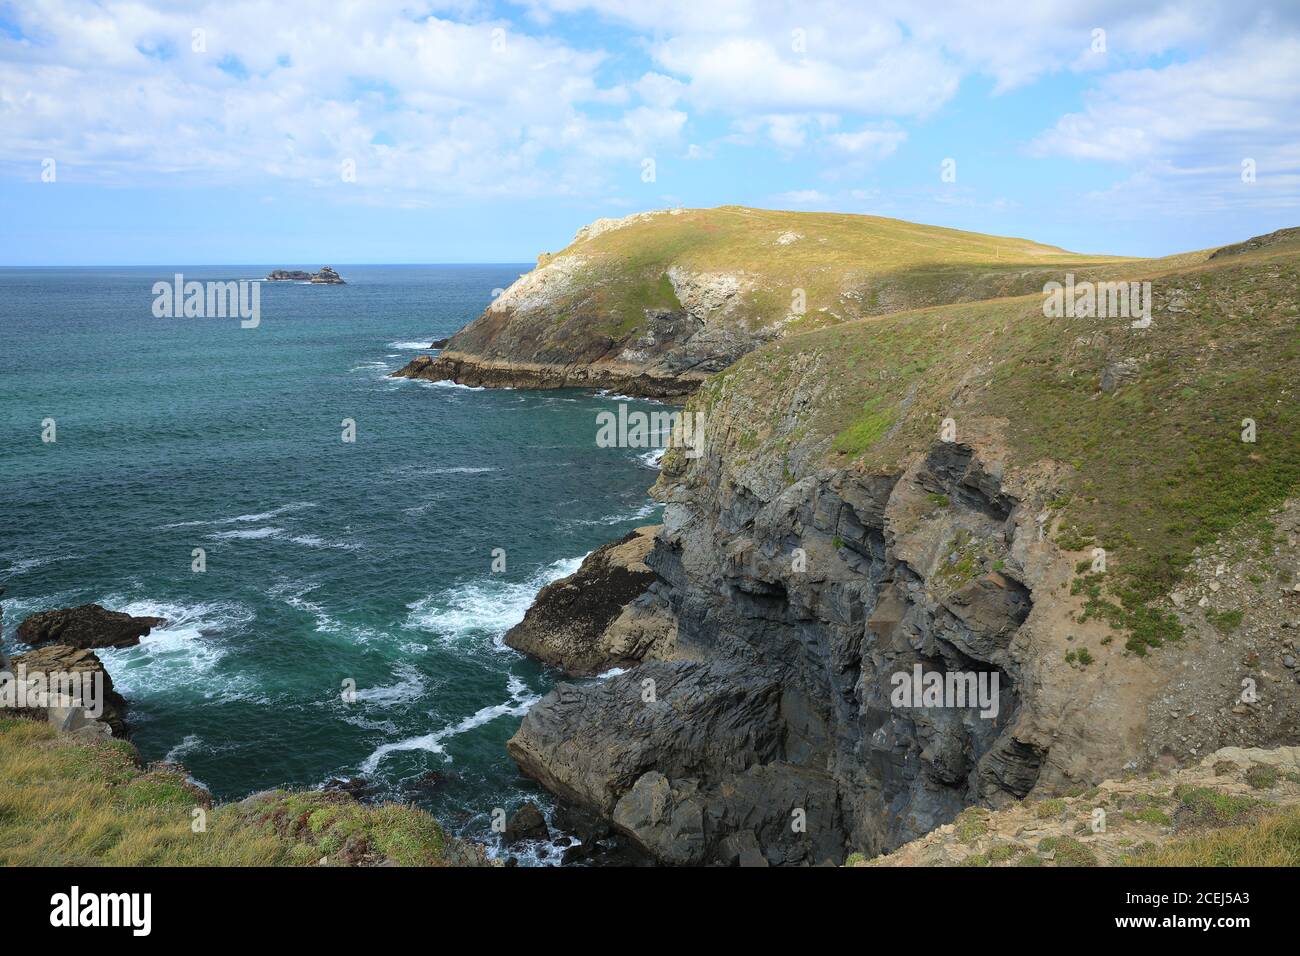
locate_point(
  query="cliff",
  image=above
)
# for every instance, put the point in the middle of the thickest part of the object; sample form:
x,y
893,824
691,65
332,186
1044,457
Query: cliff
x,y
1071,507
654,303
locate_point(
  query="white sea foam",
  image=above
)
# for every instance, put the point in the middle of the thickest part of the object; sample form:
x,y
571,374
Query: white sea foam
x,y
408,687
520,700
190,743
619,397
24,565
652,458
181,654
421,346
485,605
307,540
247,534
645,511
260,516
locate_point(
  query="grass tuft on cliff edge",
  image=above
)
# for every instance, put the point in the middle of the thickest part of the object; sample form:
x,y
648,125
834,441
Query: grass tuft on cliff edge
x,y
67,802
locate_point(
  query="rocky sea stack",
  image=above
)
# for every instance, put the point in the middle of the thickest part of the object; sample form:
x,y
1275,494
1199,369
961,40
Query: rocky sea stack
x,y
326,276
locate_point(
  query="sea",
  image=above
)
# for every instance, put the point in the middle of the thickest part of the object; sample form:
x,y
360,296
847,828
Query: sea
x,y
335,609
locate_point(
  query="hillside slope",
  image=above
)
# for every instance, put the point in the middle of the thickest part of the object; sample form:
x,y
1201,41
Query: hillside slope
x,y
928,488
654,303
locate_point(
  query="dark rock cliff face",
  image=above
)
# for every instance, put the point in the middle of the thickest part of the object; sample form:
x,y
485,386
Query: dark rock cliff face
x,y
771,736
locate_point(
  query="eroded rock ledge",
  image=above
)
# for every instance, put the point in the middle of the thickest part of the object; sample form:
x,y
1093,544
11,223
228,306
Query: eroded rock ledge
x,y
478,372
579,624
86,626
769,736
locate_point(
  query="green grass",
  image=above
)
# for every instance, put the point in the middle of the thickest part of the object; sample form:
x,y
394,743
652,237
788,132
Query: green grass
x,y
1213,807
64,802
863,431
847,266
1261,777
1153,471
1152,815
971,824
1225,622
1273,840
1068,850
1049,808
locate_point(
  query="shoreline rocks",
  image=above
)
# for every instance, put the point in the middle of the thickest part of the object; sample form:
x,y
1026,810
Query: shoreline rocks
x,y
568,624
766,734
71,715
465,369
86,626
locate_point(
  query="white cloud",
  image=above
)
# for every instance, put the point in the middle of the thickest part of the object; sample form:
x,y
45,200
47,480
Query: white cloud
x,y
116,93
868,142
430,98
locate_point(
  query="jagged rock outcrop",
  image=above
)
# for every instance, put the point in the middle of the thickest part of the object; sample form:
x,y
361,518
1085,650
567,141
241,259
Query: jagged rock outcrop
x,y
568,620
43,671
775,734
526,823
327,276
86,626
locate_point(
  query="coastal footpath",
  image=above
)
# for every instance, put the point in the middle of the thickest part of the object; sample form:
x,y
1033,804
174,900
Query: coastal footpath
x,y
928,472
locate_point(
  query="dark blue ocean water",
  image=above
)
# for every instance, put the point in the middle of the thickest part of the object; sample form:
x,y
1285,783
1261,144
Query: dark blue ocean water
x,y
326,561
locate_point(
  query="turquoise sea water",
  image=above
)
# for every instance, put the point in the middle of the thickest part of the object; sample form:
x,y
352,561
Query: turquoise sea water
x,y
326,561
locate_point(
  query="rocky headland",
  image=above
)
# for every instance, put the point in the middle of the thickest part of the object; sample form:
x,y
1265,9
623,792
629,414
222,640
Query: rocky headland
x,y
929,476
653,304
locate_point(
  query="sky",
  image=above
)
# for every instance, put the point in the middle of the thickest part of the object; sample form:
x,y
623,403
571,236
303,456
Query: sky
x,y
306,133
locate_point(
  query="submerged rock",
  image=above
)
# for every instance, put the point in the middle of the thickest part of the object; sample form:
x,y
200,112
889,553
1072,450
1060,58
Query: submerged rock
x,y
527,823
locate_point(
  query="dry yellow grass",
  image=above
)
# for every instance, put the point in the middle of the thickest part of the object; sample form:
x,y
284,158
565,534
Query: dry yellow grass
x,y
65,802
1273,840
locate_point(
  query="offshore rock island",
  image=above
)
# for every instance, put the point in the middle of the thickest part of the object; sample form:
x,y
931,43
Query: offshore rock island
x,y
326,276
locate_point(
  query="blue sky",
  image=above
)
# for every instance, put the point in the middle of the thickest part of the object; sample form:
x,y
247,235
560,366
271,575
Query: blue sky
x,y
282,132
